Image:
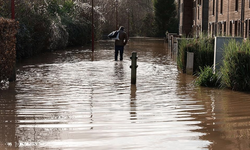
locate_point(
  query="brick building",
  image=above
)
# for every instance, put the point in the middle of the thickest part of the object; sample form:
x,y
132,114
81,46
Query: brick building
x,y
185,19
193,16
218,17
229,17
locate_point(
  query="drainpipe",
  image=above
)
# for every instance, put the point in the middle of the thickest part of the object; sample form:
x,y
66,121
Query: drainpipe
x,y
179,9
195,17
228,21
216,18
12,9
92,31
242,17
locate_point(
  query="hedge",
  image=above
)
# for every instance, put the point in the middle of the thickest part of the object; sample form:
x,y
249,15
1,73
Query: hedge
x,y
8,30
203,49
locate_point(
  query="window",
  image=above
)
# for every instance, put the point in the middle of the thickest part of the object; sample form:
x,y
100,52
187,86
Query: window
x,y
194,15
221,6
231,28
225,28
221,24
236,28
213,29
198,13
199,2
236,5
181,8
246,28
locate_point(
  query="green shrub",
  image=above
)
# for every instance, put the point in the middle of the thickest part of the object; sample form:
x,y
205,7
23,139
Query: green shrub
x,y
184,46
204,53
5,9
51,24
43,27
33,35
236,66
58,36
203,49
76,21
207,78
8,30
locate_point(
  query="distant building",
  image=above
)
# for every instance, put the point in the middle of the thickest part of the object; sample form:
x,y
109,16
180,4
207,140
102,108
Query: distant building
x,y
185,17
193,16
217,17
229,17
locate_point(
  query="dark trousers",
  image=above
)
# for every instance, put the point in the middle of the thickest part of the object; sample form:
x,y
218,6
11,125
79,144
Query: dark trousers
x,y
119,49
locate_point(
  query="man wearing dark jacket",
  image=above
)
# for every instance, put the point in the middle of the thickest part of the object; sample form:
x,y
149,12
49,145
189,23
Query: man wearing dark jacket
x,y
119,44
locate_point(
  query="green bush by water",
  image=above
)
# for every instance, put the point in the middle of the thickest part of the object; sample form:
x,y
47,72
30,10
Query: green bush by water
x,y
50,25
236,66
207,78
235,71
203,49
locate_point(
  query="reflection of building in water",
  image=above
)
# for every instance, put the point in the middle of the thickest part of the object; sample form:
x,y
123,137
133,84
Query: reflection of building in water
x,y
133,115
7,119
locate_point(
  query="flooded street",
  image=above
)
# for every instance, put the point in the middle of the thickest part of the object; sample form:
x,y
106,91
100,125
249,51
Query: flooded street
x,y
76,99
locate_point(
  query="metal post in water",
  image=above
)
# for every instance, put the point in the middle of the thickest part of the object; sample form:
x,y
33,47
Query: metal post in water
x,y
12,9
190,63
133,67
92,29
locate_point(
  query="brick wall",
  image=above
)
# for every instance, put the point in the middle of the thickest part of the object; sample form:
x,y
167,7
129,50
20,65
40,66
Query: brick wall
x,y
224,17
186,19
230,18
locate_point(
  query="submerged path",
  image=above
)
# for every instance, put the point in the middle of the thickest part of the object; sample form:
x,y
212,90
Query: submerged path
x,y
77,99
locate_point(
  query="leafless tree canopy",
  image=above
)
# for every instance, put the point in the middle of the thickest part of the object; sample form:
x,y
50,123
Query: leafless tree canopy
x,y
128,13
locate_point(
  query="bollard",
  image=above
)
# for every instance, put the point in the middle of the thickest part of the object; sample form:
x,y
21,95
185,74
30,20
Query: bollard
x,y
133,67
190,63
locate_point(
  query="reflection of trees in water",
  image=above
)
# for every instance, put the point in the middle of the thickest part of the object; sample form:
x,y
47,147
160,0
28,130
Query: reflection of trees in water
x,y
33,136
19,129
8,118
40,127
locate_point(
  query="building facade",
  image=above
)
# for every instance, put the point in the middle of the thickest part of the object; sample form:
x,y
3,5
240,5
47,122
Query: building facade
x,y
231,18
200,16
193,16
185,22
217,17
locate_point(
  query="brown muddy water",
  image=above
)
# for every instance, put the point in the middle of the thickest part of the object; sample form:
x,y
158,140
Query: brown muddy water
x,y
76,100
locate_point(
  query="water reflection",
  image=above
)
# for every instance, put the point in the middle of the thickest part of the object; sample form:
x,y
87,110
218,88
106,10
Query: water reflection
x,y
8,121
119,71
83,100
133,103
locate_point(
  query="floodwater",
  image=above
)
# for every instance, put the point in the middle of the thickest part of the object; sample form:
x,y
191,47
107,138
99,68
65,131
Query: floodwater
x,y
75,100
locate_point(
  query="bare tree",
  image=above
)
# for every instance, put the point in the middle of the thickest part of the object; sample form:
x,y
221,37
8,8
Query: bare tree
x,y
130,13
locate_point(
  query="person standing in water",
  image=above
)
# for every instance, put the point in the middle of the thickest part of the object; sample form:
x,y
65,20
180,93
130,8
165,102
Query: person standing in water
x,y
120,43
